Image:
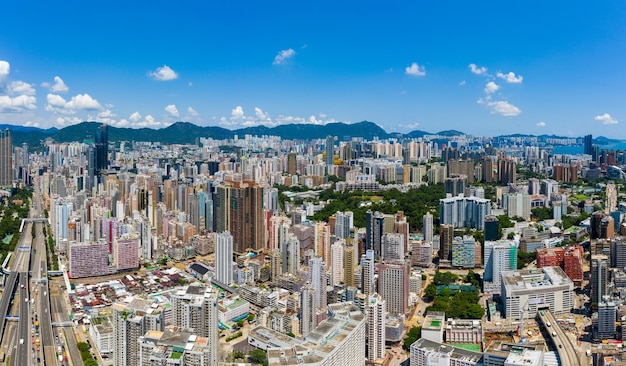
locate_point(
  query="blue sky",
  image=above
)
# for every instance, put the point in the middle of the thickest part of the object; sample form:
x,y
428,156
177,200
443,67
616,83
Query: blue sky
x,y
484,68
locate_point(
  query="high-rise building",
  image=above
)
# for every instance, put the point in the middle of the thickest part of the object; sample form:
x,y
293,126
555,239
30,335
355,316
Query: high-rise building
x,y
487,169
607,313
317,275
292,165
6,158
599,278
498,256
492,227
464,211
349,264
307,308
102,149
224,258
446,235
507,171
367,272
393,247
126,253
401,226
344,221
131,320
455,184
428,227
88,259
611,198
329,149
195,307
239,210
375,310
464,252
517,205
336,263
393,286
588,149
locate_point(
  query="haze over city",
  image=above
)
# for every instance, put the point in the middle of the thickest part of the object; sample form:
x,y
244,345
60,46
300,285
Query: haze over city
x,y
485,69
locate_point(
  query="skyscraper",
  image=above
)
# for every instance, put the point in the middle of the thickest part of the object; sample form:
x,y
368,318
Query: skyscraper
x,y
599,278
307,308
349,260
393,286
317,275
6,158
224,258
376,308
428,227
336,263
446,234
367,272
607,311
492,225
102,149
239,210
588,145
329,148
292,164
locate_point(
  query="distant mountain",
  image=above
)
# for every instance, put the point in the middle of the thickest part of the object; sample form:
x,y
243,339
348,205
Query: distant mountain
x,y
450,133
188,133
417,134
27,128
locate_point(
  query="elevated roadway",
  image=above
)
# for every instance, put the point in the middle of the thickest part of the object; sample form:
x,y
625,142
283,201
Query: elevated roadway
x,y
562,343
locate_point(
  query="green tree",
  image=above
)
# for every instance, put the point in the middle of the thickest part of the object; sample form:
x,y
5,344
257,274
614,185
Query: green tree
x,y
430,291
258,356
82,346
250,317
411,336
237,355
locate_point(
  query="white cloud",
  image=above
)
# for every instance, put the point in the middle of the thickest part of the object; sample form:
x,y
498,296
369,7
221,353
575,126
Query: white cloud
x,y
462,83
192,112
510,77
283,56
171,109
541,124
504,108
163,73
238,118
83,101
31,124
5,68
606,119
58,86
237,113
20,87
67,120
477,70
491,87
57,103
261,116
415,70
17,104
135,117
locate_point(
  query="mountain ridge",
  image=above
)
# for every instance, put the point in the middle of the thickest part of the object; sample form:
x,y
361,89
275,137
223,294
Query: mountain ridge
x,y
187,132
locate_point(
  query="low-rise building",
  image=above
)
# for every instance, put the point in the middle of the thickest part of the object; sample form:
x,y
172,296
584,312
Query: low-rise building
x,y
425,352
524,291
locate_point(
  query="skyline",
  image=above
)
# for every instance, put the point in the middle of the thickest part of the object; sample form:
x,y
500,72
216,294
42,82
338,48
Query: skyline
x,y
487,69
